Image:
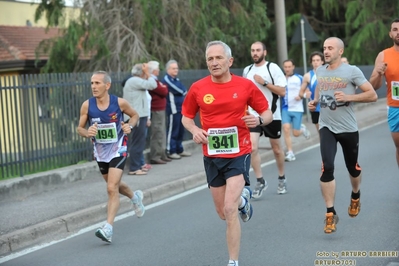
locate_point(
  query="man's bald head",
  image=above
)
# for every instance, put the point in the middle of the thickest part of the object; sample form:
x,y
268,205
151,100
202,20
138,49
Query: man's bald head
x,y
338,41
333,49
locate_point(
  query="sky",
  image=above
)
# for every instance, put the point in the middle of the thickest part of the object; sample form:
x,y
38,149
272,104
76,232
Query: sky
x,y
67,2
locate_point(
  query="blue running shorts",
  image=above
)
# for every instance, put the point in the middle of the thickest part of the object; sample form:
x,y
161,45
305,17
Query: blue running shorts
x,y
393,119
294,118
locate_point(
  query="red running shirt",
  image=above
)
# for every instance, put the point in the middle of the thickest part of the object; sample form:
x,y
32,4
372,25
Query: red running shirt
x,y
221,107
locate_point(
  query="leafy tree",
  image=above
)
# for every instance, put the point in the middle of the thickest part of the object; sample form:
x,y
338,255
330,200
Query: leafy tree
x,y
118,33
363,25
122,32
53,10
367,25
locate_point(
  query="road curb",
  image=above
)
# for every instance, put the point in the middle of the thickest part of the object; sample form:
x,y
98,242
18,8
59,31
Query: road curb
x,y
70,224
23,187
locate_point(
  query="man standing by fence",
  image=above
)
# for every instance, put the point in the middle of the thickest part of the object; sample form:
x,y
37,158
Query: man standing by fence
x,y
158,106
108,132
175,98
135,92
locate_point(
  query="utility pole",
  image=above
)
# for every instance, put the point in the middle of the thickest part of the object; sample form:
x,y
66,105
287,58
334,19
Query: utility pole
x,y
282,51
303,34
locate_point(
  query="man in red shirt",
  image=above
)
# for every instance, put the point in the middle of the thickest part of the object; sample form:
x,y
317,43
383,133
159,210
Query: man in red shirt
x,y
222,99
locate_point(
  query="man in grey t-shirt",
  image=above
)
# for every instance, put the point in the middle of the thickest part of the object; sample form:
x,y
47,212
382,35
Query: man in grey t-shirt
x,y
336,86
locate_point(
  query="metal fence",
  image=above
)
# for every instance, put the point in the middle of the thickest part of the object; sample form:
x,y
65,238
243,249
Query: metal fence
x,y
39,114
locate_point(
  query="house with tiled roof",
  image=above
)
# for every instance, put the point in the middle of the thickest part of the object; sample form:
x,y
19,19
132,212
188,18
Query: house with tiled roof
x,y
24,94
20,35
18,46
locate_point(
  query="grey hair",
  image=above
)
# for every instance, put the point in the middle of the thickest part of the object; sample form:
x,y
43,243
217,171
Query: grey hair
x,y
137,70
107,77
171,61
153,65
226,48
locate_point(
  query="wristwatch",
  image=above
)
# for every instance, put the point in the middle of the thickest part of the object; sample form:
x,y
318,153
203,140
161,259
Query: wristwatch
x,y
131,127
260,120
265,84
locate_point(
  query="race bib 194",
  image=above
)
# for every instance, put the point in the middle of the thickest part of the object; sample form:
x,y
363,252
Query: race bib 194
x,y
106,133
223,141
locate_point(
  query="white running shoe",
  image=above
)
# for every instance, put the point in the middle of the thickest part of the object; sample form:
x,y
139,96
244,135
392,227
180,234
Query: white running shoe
x,y
282,186
246,211
138,206
258,190
305,131
105,234
290,157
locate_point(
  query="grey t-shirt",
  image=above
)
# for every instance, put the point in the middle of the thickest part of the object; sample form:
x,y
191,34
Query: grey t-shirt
x,y
338,117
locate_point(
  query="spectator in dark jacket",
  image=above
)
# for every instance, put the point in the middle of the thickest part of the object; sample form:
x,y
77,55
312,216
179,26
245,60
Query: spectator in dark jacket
x,y
174,101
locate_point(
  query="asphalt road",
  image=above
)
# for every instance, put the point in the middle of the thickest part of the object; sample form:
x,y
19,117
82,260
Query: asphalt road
x,y
285,229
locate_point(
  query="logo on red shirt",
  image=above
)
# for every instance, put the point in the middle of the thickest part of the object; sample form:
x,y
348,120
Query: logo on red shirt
x,y
208,98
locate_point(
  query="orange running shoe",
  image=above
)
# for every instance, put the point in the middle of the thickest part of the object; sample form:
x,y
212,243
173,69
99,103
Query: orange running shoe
x,y
330,223
354,208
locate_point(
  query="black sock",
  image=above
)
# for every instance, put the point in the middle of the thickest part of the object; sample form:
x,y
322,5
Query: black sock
x,y
331,209
260,180
355,195
281,177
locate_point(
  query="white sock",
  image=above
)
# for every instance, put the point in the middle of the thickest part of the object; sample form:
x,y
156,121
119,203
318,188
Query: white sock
x,y
233,262
243,202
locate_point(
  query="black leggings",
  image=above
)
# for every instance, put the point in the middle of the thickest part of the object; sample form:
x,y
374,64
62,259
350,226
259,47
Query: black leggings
x,y
328,148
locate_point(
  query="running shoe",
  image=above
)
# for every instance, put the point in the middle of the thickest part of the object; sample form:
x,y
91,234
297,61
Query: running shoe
x,y
138,206
290,157
354,208
259,188
246,211
105,234
330,223
282,186
305,131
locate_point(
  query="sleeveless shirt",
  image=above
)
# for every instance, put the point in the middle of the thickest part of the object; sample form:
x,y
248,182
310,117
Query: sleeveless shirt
x,y
391,57
110,141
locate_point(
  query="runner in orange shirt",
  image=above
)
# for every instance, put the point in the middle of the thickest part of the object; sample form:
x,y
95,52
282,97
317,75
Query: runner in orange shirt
x,y
387,65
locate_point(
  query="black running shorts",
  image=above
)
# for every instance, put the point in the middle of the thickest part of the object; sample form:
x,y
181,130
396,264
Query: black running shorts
x,y
117,162
272,130
219,169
